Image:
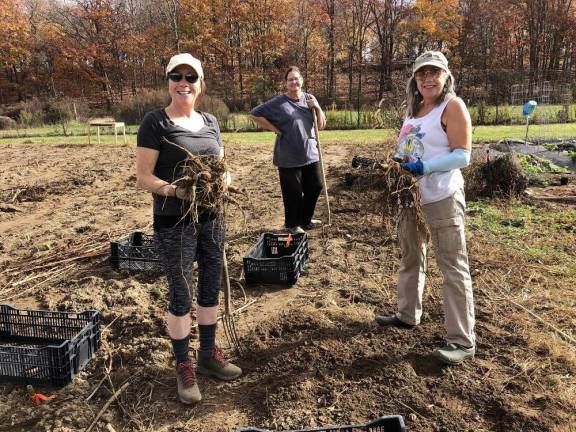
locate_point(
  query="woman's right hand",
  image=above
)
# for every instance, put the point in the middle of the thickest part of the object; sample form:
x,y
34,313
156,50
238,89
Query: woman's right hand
x,y
265,124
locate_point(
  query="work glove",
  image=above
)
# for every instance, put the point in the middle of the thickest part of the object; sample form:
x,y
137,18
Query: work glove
x,y
415,168
183,189
182,192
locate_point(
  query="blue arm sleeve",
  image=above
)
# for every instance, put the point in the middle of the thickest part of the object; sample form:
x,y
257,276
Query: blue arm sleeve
x,y
458,158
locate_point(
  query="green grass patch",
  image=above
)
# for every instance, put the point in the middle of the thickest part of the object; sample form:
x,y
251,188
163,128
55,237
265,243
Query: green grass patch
x,y
543,236
500,220
551,255
72,129
507,114
496,133
481,134
513,216
359,136
561,221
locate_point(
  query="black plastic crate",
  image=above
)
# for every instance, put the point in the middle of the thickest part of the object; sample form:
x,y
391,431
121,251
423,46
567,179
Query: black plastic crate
x,y
135,252
276,259
383,424
46,348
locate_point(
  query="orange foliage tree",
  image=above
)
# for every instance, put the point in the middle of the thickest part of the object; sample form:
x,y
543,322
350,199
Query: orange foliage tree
x,y
14,51
348,50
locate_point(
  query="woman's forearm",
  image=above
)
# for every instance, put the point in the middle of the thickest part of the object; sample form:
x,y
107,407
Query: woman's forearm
x,y
153,184
265,124
320,118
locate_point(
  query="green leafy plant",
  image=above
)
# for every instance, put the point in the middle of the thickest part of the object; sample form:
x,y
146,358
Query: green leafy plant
x,y
535,164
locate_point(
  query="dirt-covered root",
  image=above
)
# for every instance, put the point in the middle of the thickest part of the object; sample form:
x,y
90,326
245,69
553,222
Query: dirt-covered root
x,y
397,194
203,184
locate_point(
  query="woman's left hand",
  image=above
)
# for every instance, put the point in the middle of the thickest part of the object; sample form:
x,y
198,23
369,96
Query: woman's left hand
x,y
320,117
313,103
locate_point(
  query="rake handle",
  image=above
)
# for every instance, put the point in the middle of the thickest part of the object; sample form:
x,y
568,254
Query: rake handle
x,y
322,166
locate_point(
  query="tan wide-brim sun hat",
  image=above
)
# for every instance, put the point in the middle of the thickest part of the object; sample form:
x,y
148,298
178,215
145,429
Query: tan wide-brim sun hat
x,y
431,58
185,59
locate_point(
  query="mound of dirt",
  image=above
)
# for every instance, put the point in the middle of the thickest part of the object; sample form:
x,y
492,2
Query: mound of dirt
x,y
499,177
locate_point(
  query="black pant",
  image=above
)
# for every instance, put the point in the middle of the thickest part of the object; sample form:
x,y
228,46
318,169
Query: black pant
x,y
301,187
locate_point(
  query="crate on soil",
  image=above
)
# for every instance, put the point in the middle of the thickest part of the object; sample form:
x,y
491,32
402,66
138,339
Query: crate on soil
x,y
276,259
46,348
135,252
383,424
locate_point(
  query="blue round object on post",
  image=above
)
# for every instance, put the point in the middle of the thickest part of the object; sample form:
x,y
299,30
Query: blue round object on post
x,y
529,108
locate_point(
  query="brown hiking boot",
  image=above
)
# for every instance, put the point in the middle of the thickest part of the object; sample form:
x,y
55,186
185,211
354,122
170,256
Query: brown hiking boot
x,y
216,365
188,390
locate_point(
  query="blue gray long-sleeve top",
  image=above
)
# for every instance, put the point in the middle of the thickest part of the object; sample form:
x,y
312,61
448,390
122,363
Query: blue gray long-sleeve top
x,y
296,146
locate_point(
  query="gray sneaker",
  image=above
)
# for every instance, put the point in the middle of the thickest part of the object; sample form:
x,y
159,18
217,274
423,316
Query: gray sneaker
x,y
217,366
454,354
314,223
392,320
188,390
296,230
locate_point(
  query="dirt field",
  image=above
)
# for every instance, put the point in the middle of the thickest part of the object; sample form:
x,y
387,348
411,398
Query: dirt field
x,y
313,353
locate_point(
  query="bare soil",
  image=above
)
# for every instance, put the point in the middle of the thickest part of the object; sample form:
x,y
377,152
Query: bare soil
x,y
313,354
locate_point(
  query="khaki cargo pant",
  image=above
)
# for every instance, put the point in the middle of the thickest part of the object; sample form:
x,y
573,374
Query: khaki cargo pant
x,y
445,220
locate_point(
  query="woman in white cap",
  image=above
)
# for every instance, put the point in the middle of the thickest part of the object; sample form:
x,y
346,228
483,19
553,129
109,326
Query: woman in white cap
x,y
434,143
179,240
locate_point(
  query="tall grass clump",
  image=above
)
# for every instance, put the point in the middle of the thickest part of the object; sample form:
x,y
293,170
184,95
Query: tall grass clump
x,y
31,113
35,112
131,110
216,107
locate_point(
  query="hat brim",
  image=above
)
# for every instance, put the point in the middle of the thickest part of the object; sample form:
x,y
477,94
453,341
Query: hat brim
x,y
187,64
432,63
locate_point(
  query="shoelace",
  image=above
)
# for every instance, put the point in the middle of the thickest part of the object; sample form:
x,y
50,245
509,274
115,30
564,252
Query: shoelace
x,y
187,373
218,355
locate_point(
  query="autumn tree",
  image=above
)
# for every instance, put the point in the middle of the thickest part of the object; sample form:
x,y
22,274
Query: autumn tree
x,y
356,22
387,15
434,24
14,52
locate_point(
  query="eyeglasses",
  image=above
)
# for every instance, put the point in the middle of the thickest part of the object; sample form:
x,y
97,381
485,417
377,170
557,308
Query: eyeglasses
x,y
177,77
422,74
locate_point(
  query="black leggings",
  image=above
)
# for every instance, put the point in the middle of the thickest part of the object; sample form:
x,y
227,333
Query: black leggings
x,y
178,248
301,187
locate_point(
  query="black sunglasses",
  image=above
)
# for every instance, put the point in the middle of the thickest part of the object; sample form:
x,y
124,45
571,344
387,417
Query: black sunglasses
x,y
177,77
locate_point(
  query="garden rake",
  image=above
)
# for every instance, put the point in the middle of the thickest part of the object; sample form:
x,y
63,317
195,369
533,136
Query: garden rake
x,y
228,321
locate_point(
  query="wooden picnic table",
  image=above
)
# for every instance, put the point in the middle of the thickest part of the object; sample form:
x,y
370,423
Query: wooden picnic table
x,y
106,123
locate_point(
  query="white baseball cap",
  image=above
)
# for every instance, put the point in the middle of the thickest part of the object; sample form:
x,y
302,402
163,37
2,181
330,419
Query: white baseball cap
x,y
185,59
431,58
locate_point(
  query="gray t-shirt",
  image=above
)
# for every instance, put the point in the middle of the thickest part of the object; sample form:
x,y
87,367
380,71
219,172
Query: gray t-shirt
x,y
296,145
157,126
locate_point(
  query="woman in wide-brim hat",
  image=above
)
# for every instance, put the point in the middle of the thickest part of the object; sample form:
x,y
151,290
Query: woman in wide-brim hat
x,y
434,143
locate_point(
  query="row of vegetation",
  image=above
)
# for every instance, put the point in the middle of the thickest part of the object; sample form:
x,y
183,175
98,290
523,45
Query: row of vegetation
x,y
36,113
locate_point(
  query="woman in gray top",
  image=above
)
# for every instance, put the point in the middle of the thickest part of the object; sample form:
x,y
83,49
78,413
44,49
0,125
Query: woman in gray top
x,y
296,150
179,240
